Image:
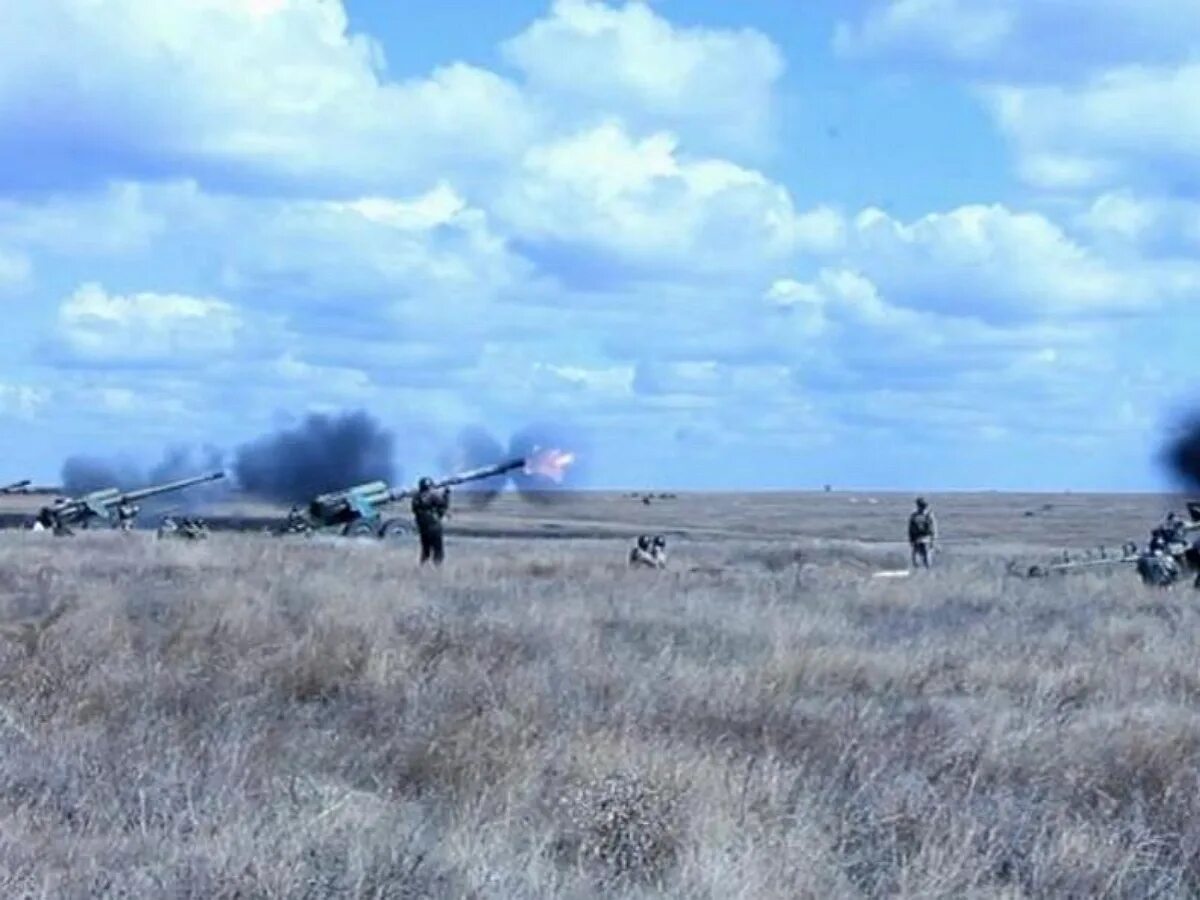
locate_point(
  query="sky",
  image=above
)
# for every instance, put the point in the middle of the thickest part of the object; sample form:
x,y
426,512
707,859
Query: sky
x,y
901,244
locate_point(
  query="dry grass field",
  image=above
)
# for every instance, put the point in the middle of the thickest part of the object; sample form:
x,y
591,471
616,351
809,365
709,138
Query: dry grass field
x,y
251,717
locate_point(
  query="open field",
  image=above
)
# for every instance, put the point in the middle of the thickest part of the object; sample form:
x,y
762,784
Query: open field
x,y
1029,521
256,717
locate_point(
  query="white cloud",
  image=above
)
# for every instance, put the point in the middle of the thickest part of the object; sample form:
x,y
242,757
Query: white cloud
x,y
141,329
281,90
440,206
1017,40
1133,124
23,401
644,202
16,272
714,84
1152,225
997,265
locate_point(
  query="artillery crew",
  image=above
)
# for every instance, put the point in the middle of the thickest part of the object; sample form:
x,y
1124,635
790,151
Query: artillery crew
x,y
922,533
649,553
126,514
429,508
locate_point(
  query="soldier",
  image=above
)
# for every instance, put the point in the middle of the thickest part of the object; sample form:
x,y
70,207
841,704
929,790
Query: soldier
x,y
658,550
1171,534
126,513
295,523
922,532
429,507
642,553
1158,568
167,526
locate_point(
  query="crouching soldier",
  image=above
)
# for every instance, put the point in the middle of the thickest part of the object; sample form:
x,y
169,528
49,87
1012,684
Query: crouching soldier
x,y
126,514
648,554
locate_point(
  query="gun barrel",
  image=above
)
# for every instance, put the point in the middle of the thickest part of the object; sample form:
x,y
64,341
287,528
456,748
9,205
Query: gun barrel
x,y
461,478
16,486
182,483
478,474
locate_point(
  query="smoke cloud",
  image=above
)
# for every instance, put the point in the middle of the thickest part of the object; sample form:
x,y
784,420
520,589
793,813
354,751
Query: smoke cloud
x,y
1183,455
84,474
474,449
323,453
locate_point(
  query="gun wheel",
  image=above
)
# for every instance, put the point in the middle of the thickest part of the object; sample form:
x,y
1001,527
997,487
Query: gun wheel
x,y
393,528
359,529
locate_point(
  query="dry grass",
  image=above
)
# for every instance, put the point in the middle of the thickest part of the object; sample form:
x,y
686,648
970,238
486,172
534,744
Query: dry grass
x,y
259,718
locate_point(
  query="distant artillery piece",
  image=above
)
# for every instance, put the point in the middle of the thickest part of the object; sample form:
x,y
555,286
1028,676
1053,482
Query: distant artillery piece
x,y
1161,564
358,511
17,487
110,505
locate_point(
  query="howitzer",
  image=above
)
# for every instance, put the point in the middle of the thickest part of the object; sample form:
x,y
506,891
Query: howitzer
x,y
111,505
356,511
17,487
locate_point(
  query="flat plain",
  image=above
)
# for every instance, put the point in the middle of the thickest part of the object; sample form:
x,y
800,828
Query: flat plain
x,y
251,716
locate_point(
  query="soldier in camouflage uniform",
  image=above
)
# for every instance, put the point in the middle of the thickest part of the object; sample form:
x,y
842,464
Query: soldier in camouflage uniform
x,y
649,553
641,555
126,514
429,507
1158,568
922,532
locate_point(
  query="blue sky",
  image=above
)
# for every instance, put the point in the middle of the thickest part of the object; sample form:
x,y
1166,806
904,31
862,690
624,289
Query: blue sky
x,y
907,244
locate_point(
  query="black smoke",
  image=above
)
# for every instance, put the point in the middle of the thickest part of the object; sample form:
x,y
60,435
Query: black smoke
x,y
84,474
323,453
1183,455
473,449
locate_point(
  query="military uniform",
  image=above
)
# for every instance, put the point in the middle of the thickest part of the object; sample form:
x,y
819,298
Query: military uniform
x,y
922,532
1158,569
126,513
642,554
658,550
429,507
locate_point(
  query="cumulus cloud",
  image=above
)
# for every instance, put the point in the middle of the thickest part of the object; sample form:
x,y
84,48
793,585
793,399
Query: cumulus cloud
x,y
713,84
1127,125
999,265
642,202
1018,41
96,327
233,90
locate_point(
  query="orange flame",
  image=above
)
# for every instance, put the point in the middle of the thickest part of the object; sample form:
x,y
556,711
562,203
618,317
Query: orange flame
x,y
552,464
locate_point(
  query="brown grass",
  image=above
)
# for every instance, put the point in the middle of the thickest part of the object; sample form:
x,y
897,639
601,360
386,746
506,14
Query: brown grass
x,y
264,718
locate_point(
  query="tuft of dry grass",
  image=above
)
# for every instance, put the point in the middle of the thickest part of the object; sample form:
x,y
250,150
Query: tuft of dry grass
x,y
253,717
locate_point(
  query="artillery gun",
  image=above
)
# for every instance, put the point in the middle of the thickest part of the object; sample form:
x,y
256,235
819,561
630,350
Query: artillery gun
x,y
358,511
1165,560
17,487
111,505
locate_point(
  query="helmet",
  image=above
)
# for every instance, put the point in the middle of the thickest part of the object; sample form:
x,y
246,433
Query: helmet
x,y
660,541
643,542
425,483
921,504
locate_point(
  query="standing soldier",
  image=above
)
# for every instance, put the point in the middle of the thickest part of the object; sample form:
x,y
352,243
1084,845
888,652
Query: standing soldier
x,y
922,532
429,507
